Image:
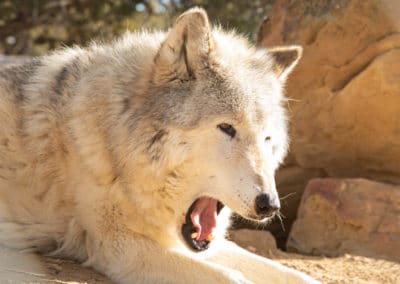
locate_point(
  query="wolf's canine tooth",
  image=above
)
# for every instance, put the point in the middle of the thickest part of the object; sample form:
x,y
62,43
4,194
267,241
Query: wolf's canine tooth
x,y
210,238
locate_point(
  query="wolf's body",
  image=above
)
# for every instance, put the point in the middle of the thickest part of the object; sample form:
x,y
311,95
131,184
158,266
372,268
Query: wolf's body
x,y
104,149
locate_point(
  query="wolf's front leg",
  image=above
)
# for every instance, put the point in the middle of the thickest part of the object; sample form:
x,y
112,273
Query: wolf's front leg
x,y
135,259
256,268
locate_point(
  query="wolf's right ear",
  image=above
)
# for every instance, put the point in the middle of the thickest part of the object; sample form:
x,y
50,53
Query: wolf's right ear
x,y
186,48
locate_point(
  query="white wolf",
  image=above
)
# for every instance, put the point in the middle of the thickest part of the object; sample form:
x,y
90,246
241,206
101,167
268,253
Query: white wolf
x,y
122,156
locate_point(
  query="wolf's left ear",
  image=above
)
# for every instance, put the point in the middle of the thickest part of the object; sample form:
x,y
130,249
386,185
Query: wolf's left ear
x,y
187,46
285,58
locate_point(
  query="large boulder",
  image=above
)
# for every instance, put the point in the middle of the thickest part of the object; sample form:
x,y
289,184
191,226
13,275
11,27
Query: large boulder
x,y
356,216
346,111
344,96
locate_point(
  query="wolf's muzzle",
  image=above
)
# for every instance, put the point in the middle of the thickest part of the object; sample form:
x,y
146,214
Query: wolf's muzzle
x,y
266,206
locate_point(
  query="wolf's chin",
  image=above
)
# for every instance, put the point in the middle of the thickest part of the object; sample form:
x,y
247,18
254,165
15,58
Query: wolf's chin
x,y
200,222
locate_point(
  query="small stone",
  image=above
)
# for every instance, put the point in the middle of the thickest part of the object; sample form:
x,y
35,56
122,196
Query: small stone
x,y
251,248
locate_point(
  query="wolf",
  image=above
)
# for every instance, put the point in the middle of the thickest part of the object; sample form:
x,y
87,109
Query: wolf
x,y
129,156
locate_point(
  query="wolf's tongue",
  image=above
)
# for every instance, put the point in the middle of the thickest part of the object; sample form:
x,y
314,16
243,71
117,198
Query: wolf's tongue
x,y
204,217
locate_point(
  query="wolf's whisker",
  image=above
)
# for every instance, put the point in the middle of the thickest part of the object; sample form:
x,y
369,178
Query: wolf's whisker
x,y
279,215
288,195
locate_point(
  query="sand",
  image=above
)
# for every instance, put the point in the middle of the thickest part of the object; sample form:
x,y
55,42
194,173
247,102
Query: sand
x,y
30,268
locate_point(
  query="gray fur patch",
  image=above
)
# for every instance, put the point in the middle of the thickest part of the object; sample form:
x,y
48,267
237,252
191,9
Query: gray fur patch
x,y
156,145
60,80
65,78
19,75
125,105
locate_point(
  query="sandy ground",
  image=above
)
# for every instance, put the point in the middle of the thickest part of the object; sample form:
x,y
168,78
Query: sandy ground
x,y
345,269
30,268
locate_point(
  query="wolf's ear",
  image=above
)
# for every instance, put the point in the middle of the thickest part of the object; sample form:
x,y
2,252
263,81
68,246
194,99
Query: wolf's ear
x,y
285,58
186,48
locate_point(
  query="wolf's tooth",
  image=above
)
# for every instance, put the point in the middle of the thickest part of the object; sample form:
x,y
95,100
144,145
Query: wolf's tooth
x,y
193,235
210,238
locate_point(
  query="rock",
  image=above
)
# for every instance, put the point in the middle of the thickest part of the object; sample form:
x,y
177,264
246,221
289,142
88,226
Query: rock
x,y
356,216
261,242
346,115
344,96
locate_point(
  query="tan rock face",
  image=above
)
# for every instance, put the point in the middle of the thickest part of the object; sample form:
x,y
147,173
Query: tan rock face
x,y
345,93
348,216
346,114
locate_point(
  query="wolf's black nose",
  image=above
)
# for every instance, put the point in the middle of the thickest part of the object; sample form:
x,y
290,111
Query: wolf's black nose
x,y
265,206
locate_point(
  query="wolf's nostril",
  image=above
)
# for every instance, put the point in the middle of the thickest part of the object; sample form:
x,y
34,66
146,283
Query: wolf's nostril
x,y
265,205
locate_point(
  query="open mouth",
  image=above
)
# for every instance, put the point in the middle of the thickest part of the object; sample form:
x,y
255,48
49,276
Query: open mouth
x,y
201,220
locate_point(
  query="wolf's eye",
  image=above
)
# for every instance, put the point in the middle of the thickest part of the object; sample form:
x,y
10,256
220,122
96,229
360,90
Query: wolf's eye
x,y
227,129
268,138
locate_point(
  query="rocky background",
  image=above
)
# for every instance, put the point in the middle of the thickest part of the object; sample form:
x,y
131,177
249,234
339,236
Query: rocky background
x,y
344,110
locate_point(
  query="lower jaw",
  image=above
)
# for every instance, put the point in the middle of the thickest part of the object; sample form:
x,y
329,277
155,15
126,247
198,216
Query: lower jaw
x,y
188,231
193,244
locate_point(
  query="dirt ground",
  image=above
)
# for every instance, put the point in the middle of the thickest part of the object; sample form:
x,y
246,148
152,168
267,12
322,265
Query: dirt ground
x,y
343,269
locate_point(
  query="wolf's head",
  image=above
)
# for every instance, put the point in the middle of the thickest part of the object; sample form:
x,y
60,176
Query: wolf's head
x,y
220,101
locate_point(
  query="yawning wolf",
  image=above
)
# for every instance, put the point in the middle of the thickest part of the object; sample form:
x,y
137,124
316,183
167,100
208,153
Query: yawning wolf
x,y
128,156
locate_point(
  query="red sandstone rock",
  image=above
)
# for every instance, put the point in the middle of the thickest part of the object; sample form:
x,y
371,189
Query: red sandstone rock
x,y
348,216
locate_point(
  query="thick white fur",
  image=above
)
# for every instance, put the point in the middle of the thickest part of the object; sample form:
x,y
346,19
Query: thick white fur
x,y
103,150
